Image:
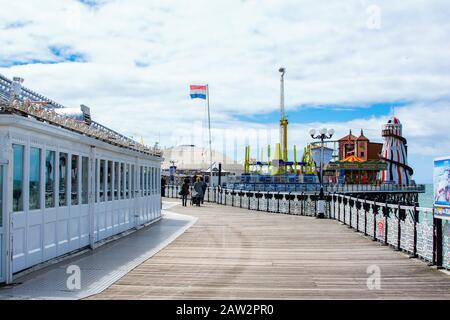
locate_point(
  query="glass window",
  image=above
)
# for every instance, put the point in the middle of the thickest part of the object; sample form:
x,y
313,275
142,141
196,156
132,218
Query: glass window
x,y
133,187
18,154
150,178
50,179
34,178
63,174
116,180
109,180
96,180
141,186
122,178
84,180
1,196
145,181
127,186
102,180
153,180
74,177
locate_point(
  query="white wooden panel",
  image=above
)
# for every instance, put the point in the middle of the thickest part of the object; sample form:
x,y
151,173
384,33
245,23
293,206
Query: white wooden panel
x,y
47,233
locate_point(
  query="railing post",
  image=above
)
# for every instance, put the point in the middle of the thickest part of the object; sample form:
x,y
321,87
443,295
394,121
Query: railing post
x,y
357,206
278,202
345,202
289,203
339,200
416,220
232,198
257,201
437,242
386,229
374,214
301,203
365,217
240,199
399,228
315,204
350,220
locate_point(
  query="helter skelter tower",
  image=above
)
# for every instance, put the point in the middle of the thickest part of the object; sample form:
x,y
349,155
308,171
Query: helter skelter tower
x,y
395,154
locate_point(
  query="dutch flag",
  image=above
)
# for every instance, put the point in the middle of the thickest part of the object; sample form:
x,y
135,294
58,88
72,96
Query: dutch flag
x,y
198,92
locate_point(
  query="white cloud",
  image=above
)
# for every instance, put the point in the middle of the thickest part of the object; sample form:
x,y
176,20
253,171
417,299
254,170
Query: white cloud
x,y
142,55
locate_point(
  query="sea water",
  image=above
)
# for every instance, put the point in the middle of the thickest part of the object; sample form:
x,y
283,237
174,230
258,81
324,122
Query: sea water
x,y
426,199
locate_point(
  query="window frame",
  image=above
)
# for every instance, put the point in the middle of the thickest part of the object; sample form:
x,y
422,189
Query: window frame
x,y
84,182
53,205
21,201
39,178
66,180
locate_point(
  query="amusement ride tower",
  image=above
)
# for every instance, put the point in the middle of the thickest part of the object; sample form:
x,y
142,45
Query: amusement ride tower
x,y
395,154
283,120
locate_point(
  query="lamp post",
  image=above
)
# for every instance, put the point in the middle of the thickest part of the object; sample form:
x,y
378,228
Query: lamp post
x,y
321,135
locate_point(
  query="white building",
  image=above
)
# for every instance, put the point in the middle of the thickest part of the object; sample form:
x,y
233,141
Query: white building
x,y
190,157
62,190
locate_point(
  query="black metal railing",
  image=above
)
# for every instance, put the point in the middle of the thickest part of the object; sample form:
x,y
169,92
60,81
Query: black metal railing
x,y
330,188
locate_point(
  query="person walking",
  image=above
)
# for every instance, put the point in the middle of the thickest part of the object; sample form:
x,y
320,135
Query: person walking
x,y
163,186
184,192
197,194
204,187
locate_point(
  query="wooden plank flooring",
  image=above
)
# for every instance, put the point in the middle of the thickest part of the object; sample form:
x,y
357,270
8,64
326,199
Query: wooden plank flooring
x,y
233,253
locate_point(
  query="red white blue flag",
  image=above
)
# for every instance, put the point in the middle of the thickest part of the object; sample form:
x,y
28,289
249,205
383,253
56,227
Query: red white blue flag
x,y
198,92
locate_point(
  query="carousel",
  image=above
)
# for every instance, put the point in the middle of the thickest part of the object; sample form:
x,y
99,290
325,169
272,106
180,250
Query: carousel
x,y
354,170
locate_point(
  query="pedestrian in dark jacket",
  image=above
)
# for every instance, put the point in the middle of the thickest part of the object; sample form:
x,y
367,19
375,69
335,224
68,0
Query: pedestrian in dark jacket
x,y
204,187
163,186
184,192
197,194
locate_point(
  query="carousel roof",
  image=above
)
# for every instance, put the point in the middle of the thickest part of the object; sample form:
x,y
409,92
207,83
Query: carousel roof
x,y
352,159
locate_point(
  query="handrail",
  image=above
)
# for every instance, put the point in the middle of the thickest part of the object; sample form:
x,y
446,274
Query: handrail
x,y
331,188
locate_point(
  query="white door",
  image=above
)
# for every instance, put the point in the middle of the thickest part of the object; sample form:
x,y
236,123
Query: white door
x,y
2,228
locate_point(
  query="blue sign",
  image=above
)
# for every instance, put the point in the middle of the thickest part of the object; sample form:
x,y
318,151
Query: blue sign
x,y
441,179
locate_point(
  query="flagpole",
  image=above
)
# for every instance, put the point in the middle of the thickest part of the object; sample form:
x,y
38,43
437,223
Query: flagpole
x,y
210,148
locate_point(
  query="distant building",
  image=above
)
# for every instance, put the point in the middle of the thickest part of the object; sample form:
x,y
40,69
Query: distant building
x,y
360,147
189,160
359,161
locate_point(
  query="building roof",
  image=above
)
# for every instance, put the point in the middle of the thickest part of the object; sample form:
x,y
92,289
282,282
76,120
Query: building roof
x,y
362,137
349,137
353,159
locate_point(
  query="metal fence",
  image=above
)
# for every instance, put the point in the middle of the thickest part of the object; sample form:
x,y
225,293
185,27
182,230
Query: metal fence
x,y
407,228
330,188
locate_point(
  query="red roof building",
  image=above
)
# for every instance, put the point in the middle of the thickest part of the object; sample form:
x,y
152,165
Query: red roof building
x,y
360,147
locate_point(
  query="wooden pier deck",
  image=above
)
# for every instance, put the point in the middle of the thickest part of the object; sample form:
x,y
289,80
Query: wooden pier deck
x,y
233,253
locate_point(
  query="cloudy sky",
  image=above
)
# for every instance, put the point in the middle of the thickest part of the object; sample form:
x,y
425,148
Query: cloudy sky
x,y
349,64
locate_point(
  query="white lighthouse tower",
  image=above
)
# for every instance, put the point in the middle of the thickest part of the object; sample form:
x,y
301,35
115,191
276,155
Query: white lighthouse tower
x,y
395,154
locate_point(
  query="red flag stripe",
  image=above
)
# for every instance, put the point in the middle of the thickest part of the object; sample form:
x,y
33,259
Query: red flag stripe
x,y
196,87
